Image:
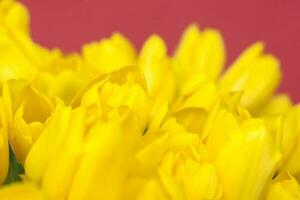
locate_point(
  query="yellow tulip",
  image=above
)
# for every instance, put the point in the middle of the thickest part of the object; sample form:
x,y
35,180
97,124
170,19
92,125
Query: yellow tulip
x,y
245,151
27,112
19,55
81,143
248,74
21,58
158,72
62,76
122,88
199,53
109,54
253,165
107,155
81,140
15,15
111,123
179,169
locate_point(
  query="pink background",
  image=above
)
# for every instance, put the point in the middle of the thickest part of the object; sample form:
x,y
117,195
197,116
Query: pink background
x,y
69,23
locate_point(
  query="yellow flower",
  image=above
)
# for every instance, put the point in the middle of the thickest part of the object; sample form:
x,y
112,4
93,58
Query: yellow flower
x,y
109,168
199,52
14,15
109,54
111,123
115,120
122,88
21,58
117,135
62,77
248,74
180,169
19,55
245,151
158,72
25,123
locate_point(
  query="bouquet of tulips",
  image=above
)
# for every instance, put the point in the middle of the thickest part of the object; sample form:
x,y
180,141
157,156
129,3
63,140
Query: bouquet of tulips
x,y
114,123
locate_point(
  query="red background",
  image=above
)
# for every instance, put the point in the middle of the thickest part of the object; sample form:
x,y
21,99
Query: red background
x,y
69,23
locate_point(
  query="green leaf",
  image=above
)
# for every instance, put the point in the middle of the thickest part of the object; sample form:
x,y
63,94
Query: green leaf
x,y
15,169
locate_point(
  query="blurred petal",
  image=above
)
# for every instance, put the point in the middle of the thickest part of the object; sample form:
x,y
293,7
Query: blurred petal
x,y
284,187
278,104
19,55
256,156
248,74
109,54
199,52
21,191
15,15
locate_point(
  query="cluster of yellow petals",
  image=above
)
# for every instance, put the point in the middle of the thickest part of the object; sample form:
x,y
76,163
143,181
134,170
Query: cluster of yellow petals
x,y
113,123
